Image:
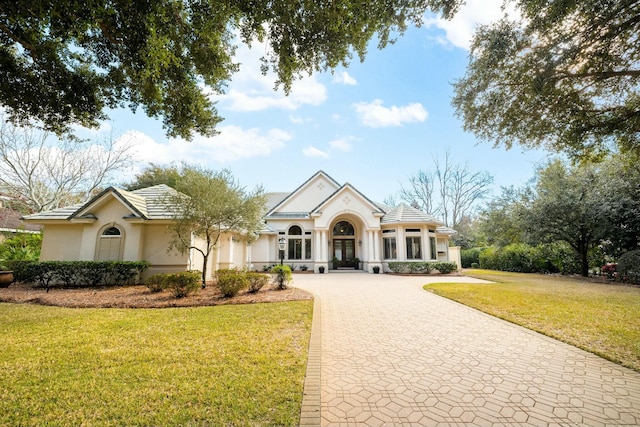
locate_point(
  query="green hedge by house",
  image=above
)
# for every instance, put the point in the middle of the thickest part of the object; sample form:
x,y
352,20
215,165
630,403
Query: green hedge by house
x,y
411,267
78,273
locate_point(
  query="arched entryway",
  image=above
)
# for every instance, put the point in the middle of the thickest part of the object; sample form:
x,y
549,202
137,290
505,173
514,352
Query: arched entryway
x,y
344,248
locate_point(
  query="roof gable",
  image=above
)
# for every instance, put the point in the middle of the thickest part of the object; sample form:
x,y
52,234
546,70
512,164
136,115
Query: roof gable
x,y
145,203
346,200
307,196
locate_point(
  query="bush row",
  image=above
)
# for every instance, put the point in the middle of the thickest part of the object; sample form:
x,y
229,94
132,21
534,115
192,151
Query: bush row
x,y
422,267
522,258
78,273
229,281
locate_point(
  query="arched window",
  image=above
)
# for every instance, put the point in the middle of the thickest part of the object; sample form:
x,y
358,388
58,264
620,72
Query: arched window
x,y
295,230
343,228
297,246
110,244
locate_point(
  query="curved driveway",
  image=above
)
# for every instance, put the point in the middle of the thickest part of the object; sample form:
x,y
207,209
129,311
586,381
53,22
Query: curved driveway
x,y
390,353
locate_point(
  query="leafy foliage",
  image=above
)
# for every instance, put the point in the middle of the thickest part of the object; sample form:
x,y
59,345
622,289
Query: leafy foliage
x,y
629,267
413,267
209,204
281,276
523,258
230,282
155,175
565,77
20,247
184,283
157,282
79,273
256,281
64,63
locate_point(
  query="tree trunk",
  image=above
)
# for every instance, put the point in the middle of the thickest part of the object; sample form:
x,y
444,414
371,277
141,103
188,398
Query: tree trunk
x,y
584,261
205,258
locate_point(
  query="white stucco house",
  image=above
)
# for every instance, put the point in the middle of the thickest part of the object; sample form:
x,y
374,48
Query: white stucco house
x,y
321,221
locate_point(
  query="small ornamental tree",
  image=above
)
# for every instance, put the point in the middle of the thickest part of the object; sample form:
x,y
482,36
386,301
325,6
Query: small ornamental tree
x,y
208,205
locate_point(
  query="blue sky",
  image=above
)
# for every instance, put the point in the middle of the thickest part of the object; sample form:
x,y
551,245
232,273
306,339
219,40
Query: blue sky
x,y
372,125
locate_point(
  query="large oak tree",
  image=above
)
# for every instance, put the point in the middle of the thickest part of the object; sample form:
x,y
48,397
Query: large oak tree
x,y
64,62
566,76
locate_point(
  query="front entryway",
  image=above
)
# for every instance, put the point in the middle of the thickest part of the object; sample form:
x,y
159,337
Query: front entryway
x,y
344,245
345,251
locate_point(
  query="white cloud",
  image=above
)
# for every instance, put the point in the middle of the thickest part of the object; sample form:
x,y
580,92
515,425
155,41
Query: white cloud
x,y
233,143
250,90
459,30
344,78
374,114
341,144
312,151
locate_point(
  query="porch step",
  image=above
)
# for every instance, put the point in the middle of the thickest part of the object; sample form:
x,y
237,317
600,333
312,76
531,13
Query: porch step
x,y
346,270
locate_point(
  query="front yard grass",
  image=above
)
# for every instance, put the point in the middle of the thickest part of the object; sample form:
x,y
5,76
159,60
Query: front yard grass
x,y
601,318
234,365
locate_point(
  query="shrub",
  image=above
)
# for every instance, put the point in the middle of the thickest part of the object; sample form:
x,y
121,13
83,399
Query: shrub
x,y
411,267
184,283
445,267
157,282
230,282
81,273
629,267
281,276
468,257
256,281
475,265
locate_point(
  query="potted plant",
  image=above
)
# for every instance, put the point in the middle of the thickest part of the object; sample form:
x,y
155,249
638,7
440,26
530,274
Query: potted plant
x,y
6,275
335,262
376,269
321,269
357,263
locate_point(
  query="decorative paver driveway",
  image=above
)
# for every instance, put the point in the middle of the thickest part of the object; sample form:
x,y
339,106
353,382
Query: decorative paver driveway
x,y
394,354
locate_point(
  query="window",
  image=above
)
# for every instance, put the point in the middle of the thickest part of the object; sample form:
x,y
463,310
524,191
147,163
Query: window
x,y
413,248
295,249
109,245
294,244
343,228
307,248
432,243
390,248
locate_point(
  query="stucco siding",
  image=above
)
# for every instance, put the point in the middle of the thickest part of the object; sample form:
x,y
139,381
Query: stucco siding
x,y
61,243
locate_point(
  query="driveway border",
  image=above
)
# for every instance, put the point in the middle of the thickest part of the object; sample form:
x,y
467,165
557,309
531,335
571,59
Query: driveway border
x,y
310,410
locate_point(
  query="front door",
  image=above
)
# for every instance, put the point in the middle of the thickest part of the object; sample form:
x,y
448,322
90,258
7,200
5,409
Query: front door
x,y
344,251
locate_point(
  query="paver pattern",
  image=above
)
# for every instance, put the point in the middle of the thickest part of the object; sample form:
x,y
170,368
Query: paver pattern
x,y
394,354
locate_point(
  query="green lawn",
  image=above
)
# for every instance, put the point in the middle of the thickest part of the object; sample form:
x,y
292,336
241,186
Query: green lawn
x,y
241,365
601,318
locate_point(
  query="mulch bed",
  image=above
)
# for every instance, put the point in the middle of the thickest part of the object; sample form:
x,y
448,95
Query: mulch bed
x,y
139,297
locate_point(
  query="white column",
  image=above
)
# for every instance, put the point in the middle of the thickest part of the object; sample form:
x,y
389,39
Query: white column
x,y
370,245
317,254
231,244
325,246
401,244
376,245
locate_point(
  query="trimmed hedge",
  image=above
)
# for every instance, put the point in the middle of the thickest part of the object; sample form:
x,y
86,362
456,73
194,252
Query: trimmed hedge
x,y
256,281
230,282
410,267
184,283
78,273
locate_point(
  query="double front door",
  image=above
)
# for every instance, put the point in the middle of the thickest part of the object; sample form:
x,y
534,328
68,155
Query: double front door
x,y
345,251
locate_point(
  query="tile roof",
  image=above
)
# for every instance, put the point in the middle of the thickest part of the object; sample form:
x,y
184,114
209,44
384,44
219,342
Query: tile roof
x,y
147,202
406,214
